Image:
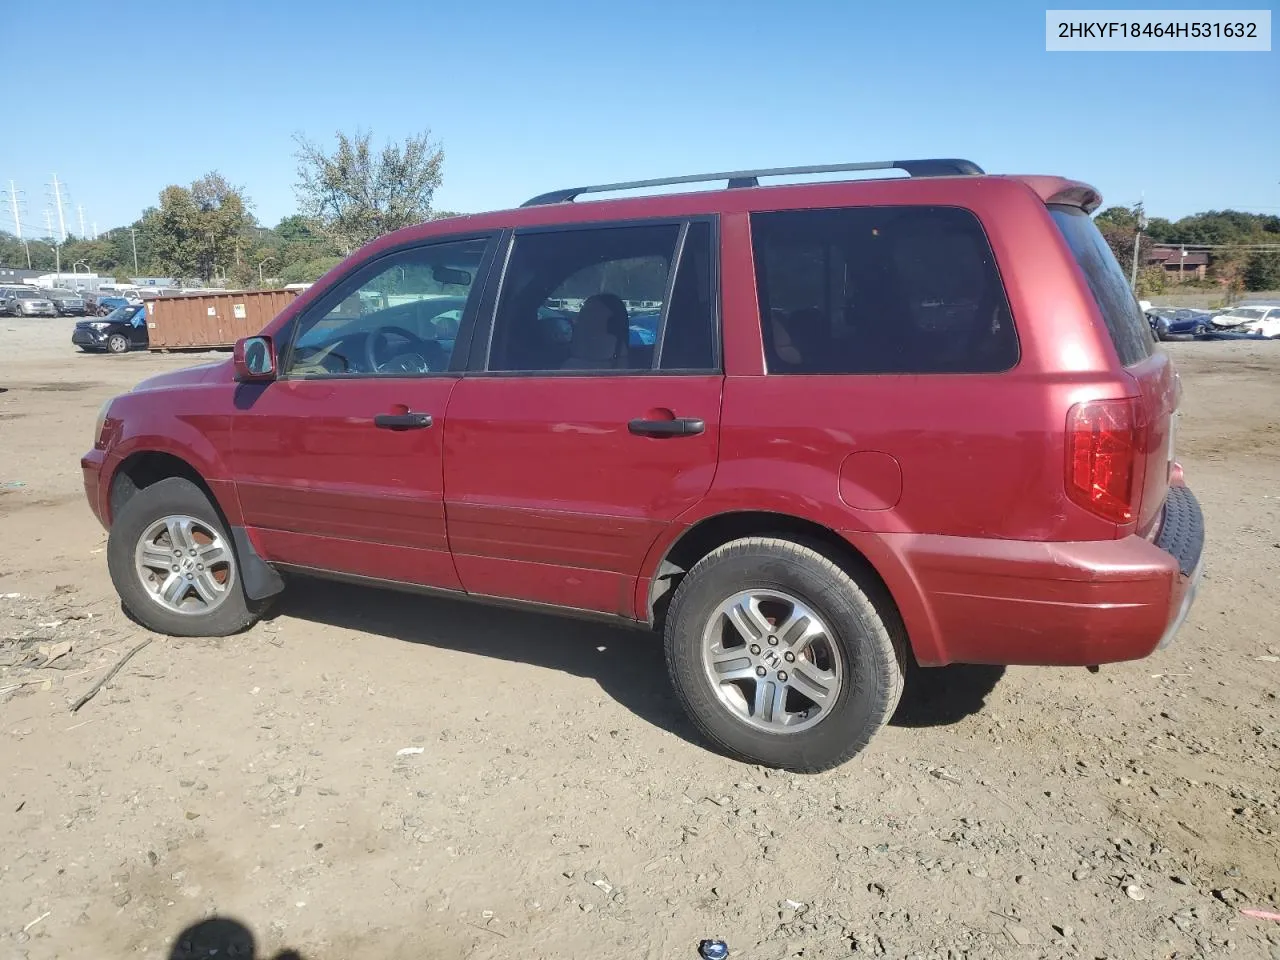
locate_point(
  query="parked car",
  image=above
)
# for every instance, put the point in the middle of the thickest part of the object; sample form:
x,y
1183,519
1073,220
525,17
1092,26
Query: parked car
x,y
66,302
122,330
1239,315
1268,325
110,303
28,302
1179,321
881,422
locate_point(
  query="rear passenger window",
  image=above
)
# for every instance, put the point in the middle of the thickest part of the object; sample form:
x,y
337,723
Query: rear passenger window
x,y
880,290
606,299
1129,329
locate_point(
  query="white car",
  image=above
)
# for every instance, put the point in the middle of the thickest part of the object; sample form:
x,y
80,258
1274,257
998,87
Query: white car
x,y
1239,317
1268,326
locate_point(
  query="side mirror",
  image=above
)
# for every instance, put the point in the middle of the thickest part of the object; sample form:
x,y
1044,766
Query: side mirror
x,y
255,360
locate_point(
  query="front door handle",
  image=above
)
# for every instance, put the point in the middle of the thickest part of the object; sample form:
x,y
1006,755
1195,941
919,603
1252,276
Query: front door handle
x,y
402,421
679,427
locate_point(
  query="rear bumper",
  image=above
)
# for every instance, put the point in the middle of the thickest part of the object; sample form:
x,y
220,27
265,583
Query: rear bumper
x,y
968,600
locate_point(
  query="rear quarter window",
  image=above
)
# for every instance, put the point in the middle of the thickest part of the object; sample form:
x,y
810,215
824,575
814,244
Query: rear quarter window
x,y
1126,325
880,290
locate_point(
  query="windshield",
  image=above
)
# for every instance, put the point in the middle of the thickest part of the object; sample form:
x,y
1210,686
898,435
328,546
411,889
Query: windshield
x,y
28,294
1245,313
121,314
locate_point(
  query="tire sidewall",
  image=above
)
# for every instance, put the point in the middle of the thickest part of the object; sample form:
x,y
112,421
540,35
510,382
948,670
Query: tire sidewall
x,y
161,499
114,340
861,707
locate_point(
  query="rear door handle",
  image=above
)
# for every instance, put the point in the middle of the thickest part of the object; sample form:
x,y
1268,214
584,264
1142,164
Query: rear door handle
x,y
679,427
402,421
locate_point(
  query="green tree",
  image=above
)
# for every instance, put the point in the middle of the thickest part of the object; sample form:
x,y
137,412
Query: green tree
x,y
355,193
198,231
1227,267
308,271
1119,217
1151,280
1262,272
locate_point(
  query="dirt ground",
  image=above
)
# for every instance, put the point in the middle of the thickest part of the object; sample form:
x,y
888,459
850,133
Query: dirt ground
x,y
554,802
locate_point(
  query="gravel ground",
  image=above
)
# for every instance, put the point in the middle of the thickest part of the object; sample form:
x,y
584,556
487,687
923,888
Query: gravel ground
x,y
377,776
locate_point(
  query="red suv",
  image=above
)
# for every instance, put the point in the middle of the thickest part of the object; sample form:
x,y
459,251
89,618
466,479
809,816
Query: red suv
x,y
809,432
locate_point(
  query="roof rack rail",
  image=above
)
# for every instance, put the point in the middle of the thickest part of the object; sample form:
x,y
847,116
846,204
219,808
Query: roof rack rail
x,y
751,178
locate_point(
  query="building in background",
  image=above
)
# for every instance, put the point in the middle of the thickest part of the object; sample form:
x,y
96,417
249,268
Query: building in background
x,y
1179,263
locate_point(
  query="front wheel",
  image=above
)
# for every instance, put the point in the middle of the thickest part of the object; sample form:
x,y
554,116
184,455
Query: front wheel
x,y
118,343
781,657
174,565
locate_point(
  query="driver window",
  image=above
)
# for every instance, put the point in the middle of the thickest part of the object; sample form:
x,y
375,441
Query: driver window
x,y
398,316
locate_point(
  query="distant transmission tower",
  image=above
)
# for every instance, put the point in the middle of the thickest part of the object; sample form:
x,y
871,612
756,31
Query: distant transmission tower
x,y
15,205
57,202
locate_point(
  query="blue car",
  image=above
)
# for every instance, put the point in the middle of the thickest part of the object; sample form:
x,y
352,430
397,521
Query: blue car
x,y
1179,321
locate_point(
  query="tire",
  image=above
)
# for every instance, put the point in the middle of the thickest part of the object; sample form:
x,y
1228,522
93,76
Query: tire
x,y
147,510
118,343
863,639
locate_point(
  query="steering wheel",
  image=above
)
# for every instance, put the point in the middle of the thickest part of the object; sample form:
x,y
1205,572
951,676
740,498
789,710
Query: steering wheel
x,y
428,351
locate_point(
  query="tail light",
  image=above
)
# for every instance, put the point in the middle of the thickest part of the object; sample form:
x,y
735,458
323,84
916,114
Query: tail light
x,y
1102,458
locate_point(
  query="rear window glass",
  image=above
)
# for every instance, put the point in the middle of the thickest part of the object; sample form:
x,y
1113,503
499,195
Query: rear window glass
x,y
1129,329
870,290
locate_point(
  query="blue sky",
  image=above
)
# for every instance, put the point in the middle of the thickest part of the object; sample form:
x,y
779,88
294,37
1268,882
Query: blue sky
x,y
526,97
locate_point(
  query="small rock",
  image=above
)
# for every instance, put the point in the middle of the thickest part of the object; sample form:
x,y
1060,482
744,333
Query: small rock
x,y
1021,935
122,898
1135,892
1065,930
1079,873
1020,878
191,815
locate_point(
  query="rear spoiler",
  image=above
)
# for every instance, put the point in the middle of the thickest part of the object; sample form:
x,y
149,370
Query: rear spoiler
x,y
1078,195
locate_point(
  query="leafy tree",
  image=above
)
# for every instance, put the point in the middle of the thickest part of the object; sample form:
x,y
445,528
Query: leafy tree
x,y
198,230
1151,280
355,194
309,270
1262,272
1120,240
1118,217
1227,268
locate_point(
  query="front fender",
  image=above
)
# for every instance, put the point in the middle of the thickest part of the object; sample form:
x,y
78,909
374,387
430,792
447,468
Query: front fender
x,y
198,436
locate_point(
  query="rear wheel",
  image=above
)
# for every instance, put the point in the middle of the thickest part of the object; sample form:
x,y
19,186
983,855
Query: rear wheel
x,y
118,343
780,656
173,563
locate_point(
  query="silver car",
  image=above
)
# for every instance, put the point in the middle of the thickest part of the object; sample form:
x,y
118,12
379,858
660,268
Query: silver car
x,y
29,303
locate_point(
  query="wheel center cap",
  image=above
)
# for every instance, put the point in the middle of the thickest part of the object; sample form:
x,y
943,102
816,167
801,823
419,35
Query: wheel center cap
x,y
188,564
771,658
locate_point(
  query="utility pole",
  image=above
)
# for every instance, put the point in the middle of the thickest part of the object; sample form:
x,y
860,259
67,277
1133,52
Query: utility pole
x,y
80,211
57,199
1137,240
133,236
